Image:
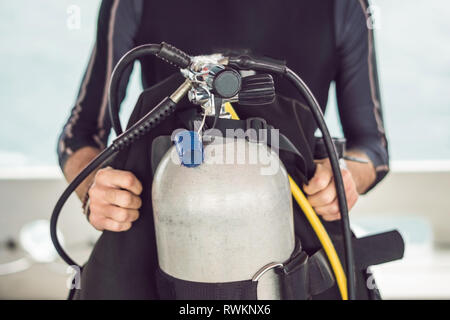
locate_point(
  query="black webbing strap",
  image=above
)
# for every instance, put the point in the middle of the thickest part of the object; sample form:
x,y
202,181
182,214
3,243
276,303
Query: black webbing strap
x,y
376,249
170,288
257,130
256,124
303,276
261,132
369,251
321,275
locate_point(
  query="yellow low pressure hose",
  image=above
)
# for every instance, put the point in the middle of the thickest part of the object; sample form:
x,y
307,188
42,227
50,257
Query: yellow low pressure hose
x,y
323,237
316,224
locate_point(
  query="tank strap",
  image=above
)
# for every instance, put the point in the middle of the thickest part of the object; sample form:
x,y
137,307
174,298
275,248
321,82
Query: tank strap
x,y
259,131
321,275
303,277
170,288
369,251
375,249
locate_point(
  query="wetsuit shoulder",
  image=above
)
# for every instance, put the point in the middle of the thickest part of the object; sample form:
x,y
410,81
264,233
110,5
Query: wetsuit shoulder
x,y
89,124
357,86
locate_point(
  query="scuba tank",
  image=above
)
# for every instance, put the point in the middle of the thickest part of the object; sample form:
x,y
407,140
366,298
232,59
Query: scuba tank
x,y
223,222
225,230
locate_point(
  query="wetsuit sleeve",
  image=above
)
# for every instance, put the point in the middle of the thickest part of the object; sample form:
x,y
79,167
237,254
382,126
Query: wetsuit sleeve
x,y
357,87
89,123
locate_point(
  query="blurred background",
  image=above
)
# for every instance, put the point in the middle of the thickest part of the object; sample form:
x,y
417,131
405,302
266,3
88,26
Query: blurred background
x,y
44,49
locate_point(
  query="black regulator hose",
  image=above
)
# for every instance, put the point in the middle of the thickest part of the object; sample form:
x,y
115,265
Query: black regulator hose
x,y
104,156
166,107
339,183
269,65
164,51
140,128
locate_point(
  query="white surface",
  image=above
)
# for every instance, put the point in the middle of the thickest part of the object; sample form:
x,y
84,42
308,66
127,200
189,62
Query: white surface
x,y
421,275
416,203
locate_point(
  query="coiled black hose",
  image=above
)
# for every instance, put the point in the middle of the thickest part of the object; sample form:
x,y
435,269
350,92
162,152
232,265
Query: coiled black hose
x,y
166,107
94,164
164,51
140,128
339,183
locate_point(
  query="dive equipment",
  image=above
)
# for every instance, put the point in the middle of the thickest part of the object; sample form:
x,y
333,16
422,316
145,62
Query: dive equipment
x,y
245,62
320,231
251,223
211,82
195,79
156,115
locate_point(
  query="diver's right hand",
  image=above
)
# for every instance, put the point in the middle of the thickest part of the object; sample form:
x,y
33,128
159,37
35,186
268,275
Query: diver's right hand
x,y
114,200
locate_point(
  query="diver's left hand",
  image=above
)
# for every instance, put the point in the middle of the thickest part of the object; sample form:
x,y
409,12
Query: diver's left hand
x,y
321,191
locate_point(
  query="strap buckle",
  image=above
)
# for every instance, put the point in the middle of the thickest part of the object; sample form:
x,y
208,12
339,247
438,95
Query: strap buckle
x,y
266,268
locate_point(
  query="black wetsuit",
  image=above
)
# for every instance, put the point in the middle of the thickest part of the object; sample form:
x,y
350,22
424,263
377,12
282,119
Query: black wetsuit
x,y
321,40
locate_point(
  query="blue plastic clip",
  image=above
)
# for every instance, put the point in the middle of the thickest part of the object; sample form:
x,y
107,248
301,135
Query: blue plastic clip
x,y
190,148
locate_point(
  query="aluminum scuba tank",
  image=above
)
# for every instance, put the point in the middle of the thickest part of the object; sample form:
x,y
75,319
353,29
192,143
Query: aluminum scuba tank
x,y
223,220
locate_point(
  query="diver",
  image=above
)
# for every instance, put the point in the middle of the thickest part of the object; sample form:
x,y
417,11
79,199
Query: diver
x,y
323,41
